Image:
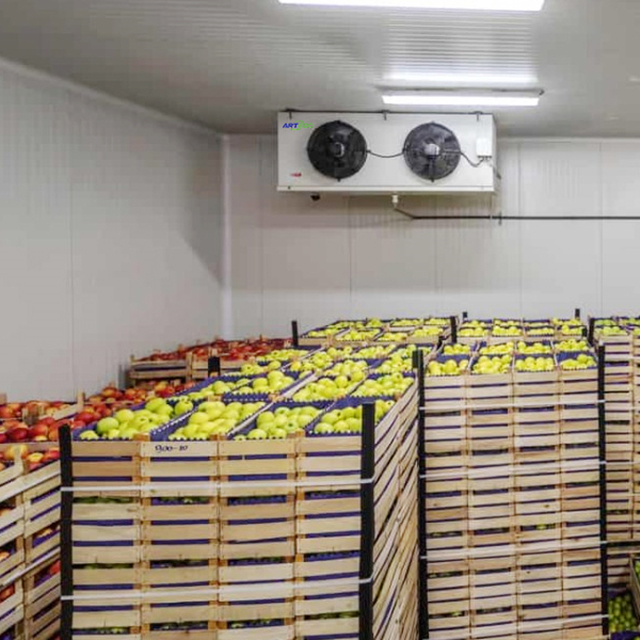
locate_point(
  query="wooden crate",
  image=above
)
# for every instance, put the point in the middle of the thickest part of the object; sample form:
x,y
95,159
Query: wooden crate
x,y
42,602
12,609
248,524
256,512
41,498
143,370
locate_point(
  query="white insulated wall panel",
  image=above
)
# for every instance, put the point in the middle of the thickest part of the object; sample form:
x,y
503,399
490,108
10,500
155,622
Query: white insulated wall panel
x,y
110,241
398,267
620,240
36,338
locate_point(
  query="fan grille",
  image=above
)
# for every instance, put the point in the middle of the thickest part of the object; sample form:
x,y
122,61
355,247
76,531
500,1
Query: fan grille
x,y
337,150
432,151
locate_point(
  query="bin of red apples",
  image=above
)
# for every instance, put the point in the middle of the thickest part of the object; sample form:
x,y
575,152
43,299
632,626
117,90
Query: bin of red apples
x,y
17,410
244,350
33,455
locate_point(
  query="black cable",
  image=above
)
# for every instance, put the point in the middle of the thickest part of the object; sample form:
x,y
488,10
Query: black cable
x,y
378,155
475,165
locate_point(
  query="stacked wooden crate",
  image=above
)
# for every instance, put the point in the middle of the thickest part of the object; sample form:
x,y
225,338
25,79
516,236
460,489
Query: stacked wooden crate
x,y
13,553
512,505
245,539
634,329
620,431
29,553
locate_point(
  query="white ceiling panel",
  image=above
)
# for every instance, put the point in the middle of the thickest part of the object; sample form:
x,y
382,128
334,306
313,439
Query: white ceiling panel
x,y
231,64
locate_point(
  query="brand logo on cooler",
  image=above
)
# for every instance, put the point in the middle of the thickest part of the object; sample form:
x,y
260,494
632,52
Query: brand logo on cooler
x,y
297,125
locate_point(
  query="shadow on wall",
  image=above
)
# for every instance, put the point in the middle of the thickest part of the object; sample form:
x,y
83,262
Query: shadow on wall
x,y
203,230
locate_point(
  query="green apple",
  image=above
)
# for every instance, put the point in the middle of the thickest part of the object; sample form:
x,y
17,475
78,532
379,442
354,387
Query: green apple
x,y
198,418
182,407
106,425
155,403
324,427
124,415
266,418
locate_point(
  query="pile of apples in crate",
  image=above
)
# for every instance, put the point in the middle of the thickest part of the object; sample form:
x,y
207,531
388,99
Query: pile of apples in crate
x,y
481,358
514,329
374,330
231,350
287,391
22,423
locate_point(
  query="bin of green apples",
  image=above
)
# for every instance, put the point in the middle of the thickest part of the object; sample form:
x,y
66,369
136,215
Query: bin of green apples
x,y
506,331
130,424
505,348
622,616
439,322
353,369
431,331
316,362
345,417
395,363
608,331
448,366
384,386
327,388
323,332
456,350
406,323
280,420
285,355
534,348
274,383
216,386
358,335
374,352
393,336
531,364
214,418
496,365
256,369
577,361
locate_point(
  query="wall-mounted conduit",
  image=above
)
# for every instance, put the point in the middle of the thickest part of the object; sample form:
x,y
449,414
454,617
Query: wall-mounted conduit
x,y
498,217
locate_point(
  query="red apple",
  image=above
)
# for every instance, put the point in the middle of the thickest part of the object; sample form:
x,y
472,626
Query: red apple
x,y
39,429
7,592
18,434
51,455
54,568
6,413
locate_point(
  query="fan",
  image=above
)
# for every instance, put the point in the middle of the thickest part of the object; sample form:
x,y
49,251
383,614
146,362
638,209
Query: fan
x,y
337,150
432,151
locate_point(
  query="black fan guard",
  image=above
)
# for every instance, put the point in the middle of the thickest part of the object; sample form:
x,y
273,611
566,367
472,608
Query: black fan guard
x,y
432,151
337,150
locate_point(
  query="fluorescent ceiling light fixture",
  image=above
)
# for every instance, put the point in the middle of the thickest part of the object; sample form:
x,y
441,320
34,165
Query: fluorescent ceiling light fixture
x,y
468,5
459,99
472,79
